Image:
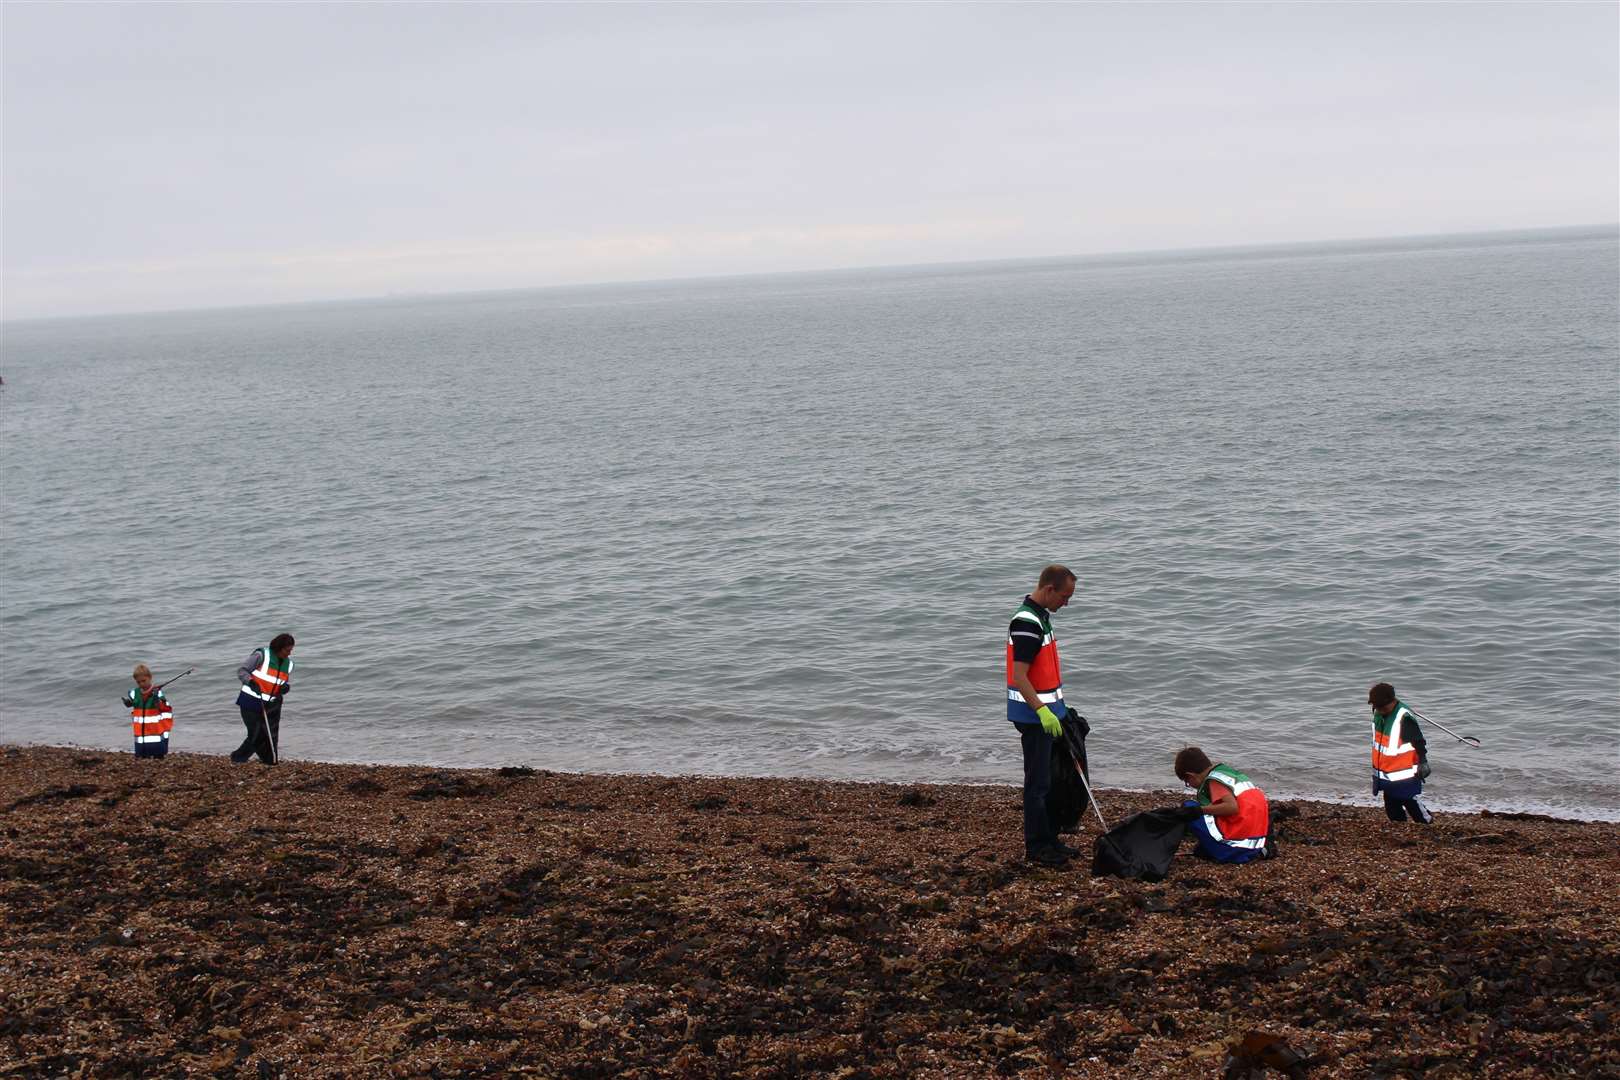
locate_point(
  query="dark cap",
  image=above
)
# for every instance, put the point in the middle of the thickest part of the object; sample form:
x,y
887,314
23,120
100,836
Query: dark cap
x,y
1380,695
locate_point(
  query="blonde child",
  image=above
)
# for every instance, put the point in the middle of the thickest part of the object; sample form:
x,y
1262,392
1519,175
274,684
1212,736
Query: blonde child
x,y
149,714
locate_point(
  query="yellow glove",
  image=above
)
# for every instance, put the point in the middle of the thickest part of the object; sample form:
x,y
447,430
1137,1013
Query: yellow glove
x,y
1049,722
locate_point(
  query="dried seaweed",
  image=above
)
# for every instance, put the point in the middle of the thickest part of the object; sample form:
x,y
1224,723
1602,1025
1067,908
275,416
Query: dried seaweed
x,y
344,921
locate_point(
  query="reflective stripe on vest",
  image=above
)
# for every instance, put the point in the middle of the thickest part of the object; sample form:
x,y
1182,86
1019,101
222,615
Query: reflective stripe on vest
x,y
1392,759
266,680
1248,827
151,717
1044,672
1047,697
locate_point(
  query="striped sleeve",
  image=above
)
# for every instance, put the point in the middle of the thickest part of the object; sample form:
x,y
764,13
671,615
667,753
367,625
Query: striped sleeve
x,y
1026,638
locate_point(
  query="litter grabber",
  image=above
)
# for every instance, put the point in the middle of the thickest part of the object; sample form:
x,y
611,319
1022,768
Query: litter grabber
x,y
1466,740
1095,808
177,678
129,702
264,714
1075,730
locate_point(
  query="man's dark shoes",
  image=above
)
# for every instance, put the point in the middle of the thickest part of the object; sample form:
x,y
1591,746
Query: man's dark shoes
x,y
1047,856
237,760
1069,852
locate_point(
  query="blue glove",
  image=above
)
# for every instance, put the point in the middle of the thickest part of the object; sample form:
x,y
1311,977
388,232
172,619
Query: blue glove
x,y
1049,722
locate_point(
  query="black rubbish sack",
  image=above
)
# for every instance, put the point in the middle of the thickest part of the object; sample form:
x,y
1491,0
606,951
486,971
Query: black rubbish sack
x,y
1066,799
1141,846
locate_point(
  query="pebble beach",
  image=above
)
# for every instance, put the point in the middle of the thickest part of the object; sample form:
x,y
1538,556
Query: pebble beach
x,y
188,917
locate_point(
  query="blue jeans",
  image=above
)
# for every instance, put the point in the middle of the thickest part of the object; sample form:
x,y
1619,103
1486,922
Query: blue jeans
x,y
1038,831
1212,846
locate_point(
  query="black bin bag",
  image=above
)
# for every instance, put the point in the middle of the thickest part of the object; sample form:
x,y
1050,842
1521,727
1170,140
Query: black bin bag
x,y
1141,846
1066,799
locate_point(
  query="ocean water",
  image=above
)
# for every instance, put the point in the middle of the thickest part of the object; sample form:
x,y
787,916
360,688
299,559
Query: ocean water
x,y
777,525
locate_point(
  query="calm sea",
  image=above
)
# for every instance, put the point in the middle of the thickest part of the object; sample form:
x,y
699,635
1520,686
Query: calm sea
x,y
777,525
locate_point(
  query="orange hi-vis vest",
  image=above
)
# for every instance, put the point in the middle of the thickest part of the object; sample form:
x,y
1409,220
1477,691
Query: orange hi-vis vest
x,y
271,675
1045,674
1248,827
1392,759
151,716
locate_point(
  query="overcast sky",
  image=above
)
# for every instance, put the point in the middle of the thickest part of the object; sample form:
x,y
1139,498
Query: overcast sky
x,y
175,156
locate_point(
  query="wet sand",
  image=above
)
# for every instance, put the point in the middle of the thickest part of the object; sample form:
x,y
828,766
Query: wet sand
x,y
191,917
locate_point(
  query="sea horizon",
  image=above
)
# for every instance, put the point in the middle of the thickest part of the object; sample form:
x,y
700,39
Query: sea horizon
x,y
792,515
1210,250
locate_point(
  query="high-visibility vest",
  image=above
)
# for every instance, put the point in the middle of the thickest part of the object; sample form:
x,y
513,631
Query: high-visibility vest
x,y
151,717
1392,758
1248,827
1044,672
271,675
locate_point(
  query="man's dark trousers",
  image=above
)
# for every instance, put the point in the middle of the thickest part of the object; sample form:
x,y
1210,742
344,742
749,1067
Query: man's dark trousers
x,y
1397,808
253,718
1038,831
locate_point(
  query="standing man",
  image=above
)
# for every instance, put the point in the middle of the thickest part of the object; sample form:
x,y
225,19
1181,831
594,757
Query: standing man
x,y
1034,691
266,676
1400,756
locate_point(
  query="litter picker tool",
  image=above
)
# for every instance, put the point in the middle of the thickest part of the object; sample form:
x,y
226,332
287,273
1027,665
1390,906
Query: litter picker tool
x,y
177,678
1466,740
1079,754
1092,799
166,682
264,714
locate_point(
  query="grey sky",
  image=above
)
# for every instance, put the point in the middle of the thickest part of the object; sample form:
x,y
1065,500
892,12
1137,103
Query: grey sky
x,y
169,156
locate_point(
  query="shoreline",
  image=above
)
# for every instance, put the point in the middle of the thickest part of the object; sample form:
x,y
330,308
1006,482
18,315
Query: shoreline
x,y
189,917
1166,793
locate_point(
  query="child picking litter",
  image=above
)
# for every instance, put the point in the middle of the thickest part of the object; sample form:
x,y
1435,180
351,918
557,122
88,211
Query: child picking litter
x,y
1400,756
149,714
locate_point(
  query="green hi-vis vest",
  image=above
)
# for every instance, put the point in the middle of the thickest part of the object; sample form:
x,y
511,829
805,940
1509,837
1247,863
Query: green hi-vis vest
x,y
1248,827
272,674
1393,759
151,715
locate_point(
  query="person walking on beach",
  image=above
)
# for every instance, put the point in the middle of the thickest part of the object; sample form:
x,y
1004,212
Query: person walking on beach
x,y
1230,817
149,714
1034,691
266,676
1400,757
